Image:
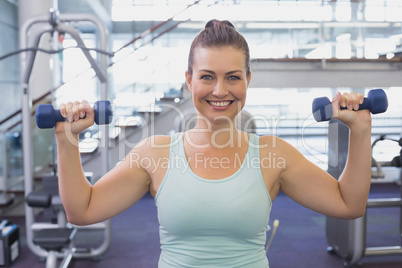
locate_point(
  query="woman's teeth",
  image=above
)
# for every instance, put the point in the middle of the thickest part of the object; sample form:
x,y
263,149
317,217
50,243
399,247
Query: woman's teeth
x,y
220,103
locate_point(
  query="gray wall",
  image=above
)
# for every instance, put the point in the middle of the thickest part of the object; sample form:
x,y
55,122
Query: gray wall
x,y
9,67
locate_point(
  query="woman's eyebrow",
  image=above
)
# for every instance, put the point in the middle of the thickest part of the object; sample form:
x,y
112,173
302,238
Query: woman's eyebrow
x,y
233,72
228,73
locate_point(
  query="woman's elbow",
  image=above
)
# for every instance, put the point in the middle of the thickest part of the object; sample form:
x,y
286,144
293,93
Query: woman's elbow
x,y
355,214
79,221
359,214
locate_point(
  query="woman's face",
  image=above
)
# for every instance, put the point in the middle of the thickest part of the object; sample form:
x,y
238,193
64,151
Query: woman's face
x,y
219,82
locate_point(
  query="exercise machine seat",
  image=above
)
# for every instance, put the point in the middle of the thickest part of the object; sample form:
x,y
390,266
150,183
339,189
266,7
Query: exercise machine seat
x,y
53,239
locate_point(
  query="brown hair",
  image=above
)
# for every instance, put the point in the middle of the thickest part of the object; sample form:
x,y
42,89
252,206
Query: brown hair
x,y
219,34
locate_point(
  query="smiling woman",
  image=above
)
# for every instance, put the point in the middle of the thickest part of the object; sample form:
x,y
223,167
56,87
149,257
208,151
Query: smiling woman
x,y
214,184
218,82
218,72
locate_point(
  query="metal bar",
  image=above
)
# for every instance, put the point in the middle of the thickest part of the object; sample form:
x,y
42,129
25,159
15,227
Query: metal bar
x,y
337,73
26,104
152,29
384,202
27,109
37,34
381,251
359,236
104,150
3,182
74,33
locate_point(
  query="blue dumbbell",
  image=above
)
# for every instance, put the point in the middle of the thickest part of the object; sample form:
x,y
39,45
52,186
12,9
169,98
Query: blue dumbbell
x,y
376,102
46,116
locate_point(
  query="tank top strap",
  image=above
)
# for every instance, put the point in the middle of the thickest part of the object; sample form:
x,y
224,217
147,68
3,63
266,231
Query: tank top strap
x,y
254,146
176,143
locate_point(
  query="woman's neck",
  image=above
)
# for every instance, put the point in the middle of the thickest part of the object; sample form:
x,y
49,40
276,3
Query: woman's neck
x,y
214,135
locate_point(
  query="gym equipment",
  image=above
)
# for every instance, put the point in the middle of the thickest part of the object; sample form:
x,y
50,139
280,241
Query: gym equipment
x,y
271,238
395,162
347,238
46,116
376,102
56,241
30,38
9,243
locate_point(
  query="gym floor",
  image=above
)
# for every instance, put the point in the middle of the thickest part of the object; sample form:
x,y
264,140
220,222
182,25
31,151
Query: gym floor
x,y
299,242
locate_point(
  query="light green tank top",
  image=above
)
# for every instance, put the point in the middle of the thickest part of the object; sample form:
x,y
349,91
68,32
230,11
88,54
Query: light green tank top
x,y
213,223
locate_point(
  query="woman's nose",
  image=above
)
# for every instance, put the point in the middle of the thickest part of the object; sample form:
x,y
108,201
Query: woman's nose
x,y
220,89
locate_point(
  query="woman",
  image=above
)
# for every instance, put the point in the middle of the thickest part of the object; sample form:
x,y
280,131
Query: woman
x,y
213,185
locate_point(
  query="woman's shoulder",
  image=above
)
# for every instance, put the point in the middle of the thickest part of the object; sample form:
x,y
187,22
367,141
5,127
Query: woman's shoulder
x,y
270,143
154,144
159,140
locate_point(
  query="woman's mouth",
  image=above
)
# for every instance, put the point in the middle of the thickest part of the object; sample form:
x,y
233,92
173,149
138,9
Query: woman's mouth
x,y
220,103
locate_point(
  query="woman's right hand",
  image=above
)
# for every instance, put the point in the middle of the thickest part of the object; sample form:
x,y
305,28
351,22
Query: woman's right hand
x,y
79,116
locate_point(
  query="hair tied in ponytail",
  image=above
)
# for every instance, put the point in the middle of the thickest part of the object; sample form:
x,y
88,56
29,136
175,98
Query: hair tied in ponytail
x,y
216,23
218,34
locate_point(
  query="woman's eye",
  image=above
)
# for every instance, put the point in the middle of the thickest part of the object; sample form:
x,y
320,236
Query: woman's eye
x,y
206,77
233,77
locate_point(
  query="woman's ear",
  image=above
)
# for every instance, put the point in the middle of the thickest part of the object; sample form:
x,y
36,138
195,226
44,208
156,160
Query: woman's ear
x,y
188,81
248,78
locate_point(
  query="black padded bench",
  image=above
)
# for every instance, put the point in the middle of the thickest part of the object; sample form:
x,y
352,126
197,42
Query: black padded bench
x,y
53,239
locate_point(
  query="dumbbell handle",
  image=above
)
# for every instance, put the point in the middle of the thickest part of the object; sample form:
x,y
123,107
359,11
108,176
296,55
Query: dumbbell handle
x,y
57,115
46,116
364,106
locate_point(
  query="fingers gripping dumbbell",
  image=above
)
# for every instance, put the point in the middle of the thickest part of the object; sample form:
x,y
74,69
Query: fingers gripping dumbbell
x,y
46,116
376,102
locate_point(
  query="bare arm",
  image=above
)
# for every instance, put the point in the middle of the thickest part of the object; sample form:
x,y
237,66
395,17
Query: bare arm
x,y
316,189
355,181
114,192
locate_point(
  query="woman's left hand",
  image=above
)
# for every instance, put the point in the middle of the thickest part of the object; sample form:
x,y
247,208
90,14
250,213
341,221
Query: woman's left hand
x,y
351,116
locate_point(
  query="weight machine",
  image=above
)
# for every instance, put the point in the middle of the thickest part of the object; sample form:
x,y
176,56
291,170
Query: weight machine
x,y
347,238
47,240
